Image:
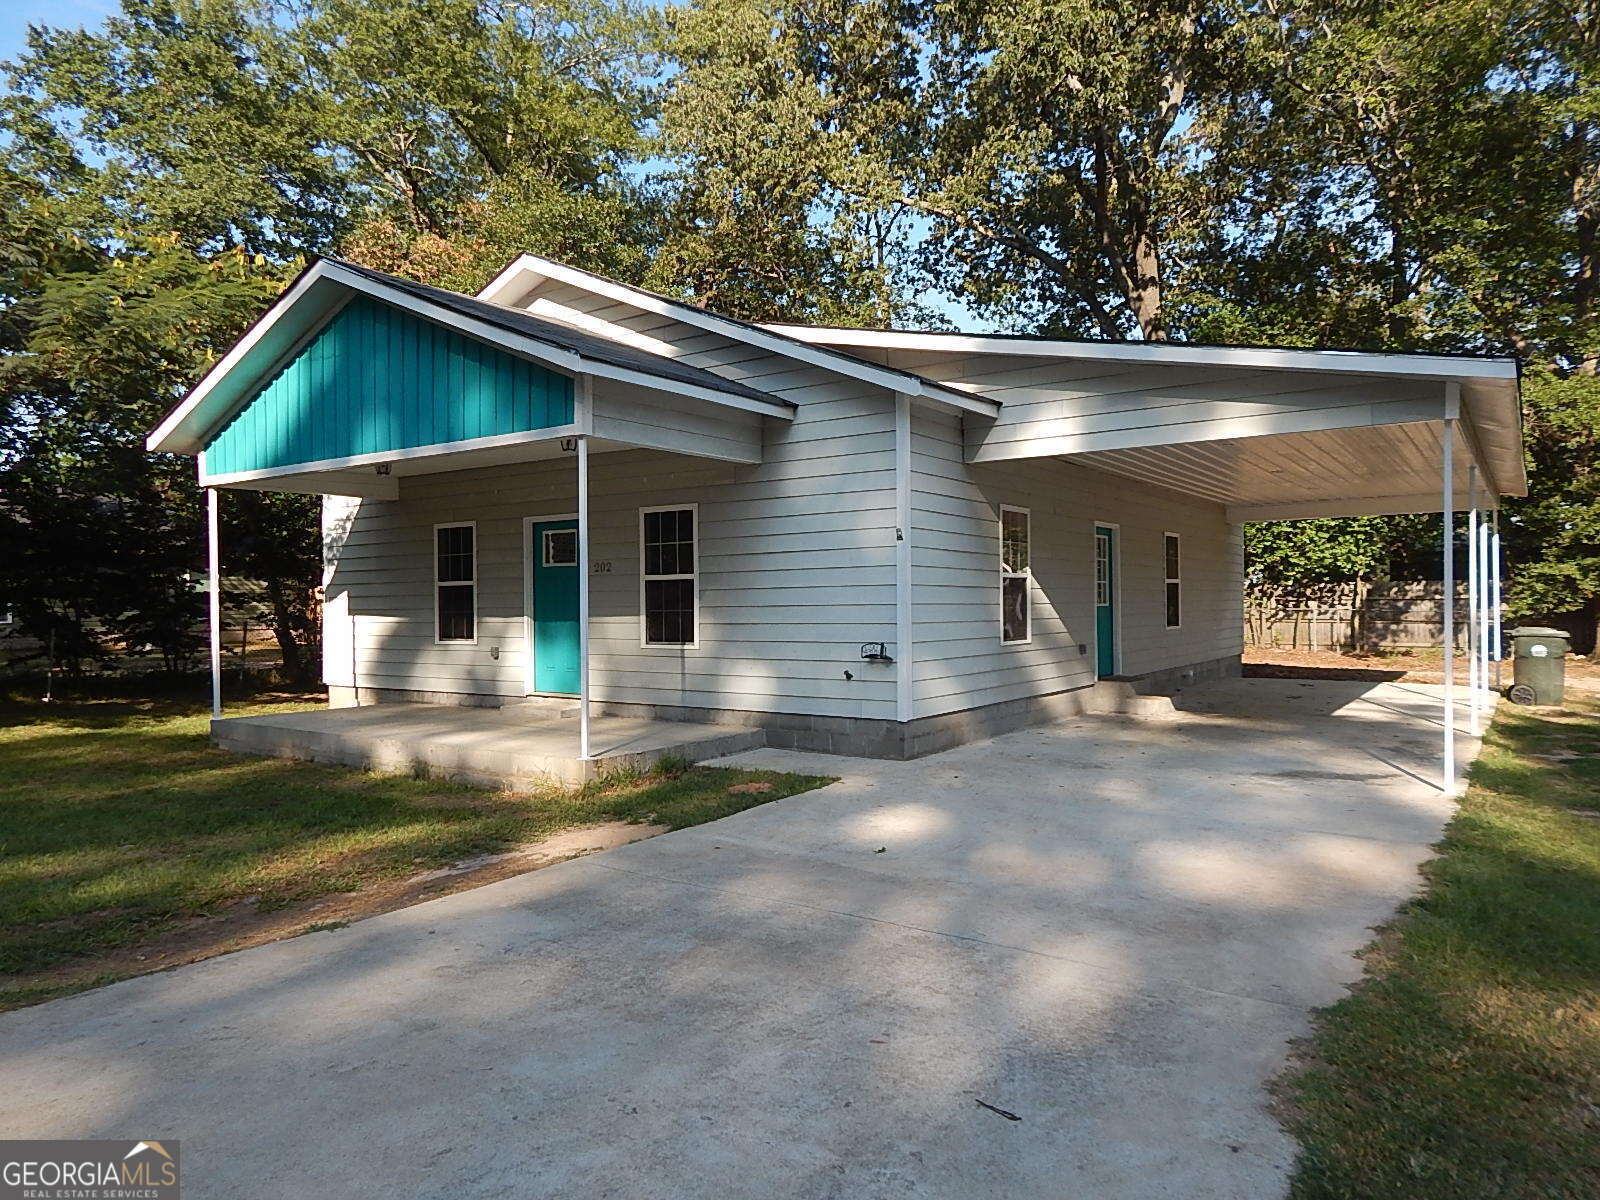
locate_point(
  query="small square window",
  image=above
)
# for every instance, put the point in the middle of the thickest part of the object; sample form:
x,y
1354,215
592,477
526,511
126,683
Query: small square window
x,y
560,548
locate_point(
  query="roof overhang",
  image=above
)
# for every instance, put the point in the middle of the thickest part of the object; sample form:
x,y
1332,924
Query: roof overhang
x,y
317,294
526,272
1488,387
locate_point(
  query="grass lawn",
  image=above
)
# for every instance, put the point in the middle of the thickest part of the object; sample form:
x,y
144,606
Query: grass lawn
x,y
1467,1063
128,844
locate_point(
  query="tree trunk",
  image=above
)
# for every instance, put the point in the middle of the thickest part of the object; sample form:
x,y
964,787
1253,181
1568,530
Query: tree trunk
x,y
1586,292
294,664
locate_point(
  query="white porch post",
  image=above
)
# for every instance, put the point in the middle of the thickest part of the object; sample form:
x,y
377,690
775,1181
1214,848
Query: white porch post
x,y
1449,603
213,565
1484,596
1473,691
1494,590
583,598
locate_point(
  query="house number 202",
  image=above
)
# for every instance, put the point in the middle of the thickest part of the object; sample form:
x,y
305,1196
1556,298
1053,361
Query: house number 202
x,y
602,566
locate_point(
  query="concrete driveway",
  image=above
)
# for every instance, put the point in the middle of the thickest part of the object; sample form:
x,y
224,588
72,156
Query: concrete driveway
x,y
1108,929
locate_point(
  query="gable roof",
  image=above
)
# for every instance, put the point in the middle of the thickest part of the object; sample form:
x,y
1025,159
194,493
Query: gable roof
x,y
326,283
587,346
515,277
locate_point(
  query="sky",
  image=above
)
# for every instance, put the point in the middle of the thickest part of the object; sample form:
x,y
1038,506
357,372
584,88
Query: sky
x,y
17,15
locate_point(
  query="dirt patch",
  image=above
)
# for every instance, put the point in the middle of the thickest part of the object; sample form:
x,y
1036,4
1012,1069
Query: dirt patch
x,y
1428,667
241,925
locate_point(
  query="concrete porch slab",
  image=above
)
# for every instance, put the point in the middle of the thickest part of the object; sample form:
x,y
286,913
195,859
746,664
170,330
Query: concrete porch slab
x,y
515,746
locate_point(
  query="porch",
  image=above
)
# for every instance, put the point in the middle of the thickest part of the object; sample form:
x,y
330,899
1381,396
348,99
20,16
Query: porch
x,y
518,746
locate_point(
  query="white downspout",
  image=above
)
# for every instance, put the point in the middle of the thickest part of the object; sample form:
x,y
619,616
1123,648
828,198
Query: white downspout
x,y
583,597
1449,632
214,563
904,651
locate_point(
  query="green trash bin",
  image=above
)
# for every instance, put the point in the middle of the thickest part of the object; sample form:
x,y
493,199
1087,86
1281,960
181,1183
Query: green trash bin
x,y
1539,665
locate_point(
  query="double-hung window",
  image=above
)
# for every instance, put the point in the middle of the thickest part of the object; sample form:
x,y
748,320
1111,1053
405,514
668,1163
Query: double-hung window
x,y
1174,587
668,579
1015,571
455,582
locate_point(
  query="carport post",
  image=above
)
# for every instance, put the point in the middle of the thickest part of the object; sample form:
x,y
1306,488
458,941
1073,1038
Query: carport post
x,y
1484,595
583,597
214,600
1494,589
1473,599
1449,604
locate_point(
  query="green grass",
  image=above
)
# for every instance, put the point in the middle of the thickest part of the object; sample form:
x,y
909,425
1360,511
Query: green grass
x,y
1467,1064
118,822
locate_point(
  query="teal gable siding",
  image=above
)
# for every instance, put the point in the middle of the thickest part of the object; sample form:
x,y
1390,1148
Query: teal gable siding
x,y
377,379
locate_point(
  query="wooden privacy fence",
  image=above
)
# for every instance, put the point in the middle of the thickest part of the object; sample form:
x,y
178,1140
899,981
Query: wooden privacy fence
x,y
1352,616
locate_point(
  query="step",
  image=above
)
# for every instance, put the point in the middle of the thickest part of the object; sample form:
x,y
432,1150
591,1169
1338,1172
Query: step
x,y
542,706
1120,697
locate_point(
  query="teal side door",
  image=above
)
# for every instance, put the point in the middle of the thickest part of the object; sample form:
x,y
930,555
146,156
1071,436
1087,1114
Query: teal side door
x,y
1105,601
555,607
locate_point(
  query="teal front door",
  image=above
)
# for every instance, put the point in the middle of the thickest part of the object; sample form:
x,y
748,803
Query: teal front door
x,y
555,607
1105,601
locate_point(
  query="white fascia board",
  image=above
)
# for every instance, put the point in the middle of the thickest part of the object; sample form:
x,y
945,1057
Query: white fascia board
x,y
530,269
331,483
231,479
1353,362
174,434
163,438
170,434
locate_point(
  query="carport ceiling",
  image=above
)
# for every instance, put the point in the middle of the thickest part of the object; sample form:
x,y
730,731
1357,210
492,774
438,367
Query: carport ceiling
x,y
1330,472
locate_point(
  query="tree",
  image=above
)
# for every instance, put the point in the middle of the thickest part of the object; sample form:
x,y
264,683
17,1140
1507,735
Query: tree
x,y
162,178
1040,147
1553,536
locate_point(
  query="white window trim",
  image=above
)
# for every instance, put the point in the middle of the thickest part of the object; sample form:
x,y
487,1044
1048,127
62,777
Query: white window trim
x,y
1170,579
1026,574
694,577
472,583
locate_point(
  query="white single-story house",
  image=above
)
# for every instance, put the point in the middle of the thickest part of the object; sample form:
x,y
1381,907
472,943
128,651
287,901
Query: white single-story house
x,y
868,541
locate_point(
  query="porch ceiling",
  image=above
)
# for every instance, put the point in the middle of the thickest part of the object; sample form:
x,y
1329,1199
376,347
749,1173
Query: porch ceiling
x,y
1358,471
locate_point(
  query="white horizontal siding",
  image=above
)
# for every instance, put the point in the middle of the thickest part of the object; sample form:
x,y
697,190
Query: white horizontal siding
x,y
960,660
661,421
796,566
